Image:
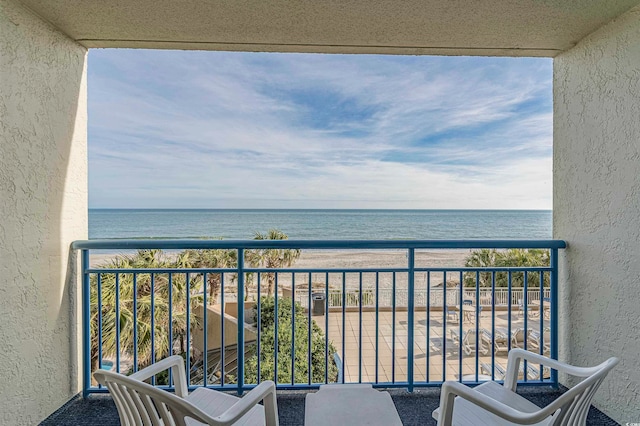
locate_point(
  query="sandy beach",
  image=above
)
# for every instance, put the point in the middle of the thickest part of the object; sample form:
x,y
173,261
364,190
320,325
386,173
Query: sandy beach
x,y
379,258
355,259
343,259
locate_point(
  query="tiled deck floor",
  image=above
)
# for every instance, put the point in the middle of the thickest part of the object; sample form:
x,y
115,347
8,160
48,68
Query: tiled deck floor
x,y
388,370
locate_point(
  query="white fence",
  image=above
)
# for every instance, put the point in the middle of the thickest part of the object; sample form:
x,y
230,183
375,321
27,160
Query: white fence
x,y
353,298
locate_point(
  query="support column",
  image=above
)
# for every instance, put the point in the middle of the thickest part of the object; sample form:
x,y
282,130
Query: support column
x,y
43,207
597,207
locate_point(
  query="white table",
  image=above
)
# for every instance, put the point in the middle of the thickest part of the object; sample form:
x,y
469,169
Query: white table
x,y
350,405
467,312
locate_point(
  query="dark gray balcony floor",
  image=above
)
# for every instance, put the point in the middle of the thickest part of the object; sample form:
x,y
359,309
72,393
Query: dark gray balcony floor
x,y
414,408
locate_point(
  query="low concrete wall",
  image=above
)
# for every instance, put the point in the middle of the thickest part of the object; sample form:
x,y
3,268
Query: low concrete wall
x,y
501,308
231,308
214,329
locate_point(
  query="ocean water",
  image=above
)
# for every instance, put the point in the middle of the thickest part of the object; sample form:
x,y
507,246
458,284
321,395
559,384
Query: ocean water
x,y
321,224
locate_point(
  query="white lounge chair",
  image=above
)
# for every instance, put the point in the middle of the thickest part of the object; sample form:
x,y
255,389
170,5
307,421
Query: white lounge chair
x,y
468,341
493,404
500,373
140,403
536,338
518,337
500,339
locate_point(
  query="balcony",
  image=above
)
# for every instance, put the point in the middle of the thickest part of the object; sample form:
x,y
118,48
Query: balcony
x,y
44,155
414,408
407,328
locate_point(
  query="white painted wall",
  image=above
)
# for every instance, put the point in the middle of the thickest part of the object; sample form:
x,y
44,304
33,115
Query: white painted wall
x,y
43,207
597,206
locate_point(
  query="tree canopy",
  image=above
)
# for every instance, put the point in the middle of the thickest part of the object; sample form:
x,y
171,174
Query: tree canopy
x,y
285,337
150,291
511,258
271,258
120,289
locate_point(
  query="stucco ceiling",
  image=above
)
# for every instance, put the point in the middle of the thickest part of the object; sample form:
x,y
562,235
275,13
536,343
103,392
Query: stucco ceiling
x,y
449,27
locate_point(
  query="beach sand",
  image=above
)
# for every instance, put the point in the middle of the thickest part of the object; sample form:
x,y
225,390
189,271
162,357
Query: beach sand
x,y
357,259
354,258
346,259
379,259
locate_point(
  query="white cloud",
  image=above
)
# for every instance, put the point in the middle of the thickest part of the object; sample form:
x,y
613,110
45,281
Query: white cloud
x,y
213,129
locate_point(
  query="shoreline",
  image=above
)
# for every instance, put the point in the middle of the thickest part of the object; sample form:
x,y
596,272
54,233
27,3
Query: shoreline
x,y
346,259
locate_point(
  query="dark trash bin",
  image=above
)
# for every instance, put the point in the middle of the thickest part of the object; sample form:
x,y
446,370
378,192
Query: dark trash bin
x,y
318,303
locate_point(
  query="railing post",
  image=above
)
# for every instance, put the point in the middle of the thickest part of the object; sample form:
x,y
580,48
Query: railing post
x,y
240,320
553,284
410,316
86,325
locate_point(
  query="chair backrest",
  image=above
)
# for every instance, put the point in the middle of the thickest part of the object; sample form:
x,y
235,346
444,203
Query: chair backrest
x,y
500,335
469,337
574,404
518,335
139,403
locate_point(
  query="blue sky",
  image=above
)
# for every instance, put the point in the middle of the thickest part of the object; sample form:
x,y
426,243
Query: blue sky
x,y
175,129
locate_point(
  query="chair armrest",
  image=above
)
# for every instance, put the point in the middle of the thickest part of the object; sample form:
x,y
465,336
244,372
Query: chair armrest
x,y
451,389
516,355
264,391
176,364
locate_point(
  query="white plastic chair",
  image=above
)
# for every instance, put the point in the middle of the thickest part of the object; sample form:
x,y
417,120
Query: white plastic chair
x,y
493,404
532,314
452,313
139,403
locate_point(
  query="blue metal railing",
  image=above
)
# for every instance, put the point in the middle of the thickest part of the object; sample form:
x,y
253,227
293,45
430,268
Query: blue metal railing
x,y
399,340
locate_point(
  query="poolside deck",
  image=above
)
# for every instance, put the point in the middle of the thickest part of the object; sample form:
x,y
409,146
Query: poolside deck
x,y
436,356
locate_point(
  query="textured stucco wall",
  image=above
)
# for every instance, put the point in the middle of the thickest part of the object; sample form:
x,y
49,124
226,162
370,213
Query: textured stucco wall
x,y
597,206
43,207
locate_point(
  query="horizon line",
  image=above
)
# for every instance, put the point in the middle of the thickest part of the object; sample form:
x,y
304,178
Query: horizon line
x,y
306,209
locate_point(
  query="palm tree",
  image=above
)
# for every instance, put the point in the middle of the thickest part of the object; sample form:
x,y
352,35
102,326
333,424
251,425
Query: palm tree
x,y
524,257
508,258
480,259
212,258
271,258
149,289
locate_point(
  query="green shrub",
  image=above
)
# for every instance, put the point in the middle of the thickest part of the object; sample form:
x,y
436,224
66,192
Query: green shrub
x,y
301,361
